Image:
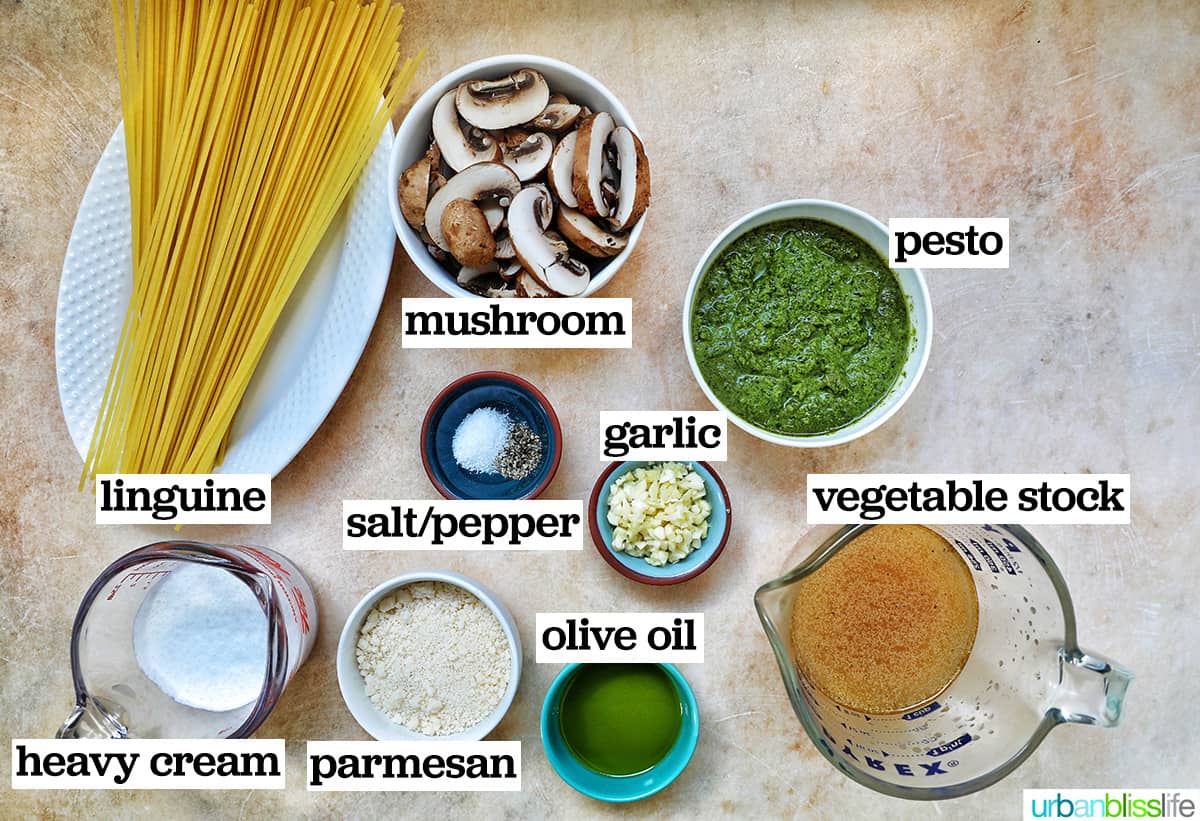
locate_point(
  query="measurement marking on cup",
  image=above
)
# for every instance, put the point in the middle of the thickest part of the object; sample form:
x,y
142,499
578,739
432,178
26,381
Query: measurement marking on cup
x,y
134,578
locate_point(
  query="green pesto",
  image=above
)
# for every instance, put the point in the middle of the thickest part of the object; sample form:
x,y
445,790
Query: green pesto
x,y
800,327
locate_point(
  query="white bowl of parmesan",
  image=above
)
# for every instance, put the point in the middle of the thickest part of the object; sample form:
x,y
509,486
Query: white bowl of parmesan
x,y
429,655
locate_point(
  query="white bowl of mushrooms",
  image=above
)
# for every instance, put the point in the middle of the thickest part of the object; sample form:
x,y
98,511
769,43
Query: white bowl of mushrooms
x,y
518,176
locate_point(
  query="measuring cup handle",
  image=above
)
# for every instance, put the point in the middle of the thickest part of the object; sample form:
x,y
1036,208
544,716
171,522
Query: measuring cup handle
x,y
90,719
1091,689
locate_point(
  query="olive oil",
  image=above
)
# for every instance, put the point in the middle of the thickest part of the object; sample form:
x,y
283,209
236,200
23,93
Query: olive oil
x,y
620,719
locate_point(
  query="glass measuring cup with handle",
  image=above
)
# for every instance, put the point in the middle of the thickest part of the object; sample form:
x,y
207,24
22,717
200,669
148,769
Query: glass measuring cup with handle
x,y
1025,675
115,699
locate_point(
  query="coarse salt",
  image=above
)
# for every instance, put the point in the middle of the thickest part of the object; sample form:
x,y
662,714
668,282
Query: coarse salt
x,y
479,438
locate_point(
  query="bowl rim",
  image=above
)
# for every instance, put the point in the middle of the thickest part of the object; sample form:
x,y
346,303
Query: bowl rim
x,y
408,129
690,729
507,377
606,551
349,677
891,403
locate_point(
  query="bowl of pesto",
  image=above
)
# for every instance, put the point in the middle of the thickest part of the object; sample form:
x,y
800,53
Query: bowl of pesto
x,y
796,327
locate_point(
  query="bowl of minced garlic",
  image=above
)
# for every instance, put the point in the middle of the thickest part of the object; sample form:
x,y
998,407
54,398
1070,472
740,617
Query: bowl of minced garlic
x,y
429,655
659,522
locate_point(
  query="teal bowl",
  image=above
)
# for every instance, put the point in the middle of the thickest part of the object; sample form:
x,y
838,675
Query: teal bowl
x,y
640,570
619,789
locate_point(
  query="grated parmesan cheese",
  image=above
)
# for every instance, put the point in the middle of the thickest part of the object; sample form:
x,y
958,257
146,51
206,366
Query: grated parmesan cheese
x,y
434,658
659,513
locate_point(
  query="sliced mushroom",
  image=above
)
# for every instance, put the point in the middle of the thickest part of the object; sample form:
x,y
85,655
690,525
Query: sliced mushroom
x,y
468,274
594,240
633,169
503,103
475,183
556,117
558,98
510,138
545,206
468,237
529,157
494,211
539,253
558,243
436,182
527,286
415,184
509,271
504,246
562,165
608,189
588,171
608,175
460,149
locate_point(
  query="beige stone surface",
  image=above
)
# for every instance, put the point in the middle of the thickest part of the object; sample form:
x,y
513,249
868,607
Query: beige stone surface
x,y
1076,121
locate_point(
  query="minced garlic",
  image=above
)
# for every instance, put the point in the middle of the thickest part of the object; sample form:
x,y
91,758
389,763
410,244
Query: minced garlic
x,y
659,513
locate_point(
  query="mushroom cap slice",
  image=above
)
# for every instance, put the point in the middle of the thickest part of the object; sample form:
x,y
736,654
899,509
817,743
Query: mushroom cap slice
x,y
588,171
556,117
593,239
460,149
469,273
562,167
545,206
539,254
503,103
512,137
414,191
504,247
494,211
477,182
529,157
633,195
508,272
527,285
467,233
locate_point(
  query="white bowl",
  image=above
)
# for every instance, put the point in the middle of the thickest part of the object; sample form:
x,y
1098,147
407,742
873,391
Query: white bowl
x,y
413,137
354,690
912,283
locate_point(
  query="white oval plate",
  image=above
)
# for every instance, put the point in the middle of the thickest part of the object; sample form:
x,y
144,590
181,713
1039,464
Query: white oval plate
x,y
315,346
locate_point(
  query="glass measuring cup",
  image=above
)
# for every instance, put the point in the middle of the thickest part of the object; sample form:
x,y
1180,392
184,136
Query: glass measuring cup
x,y
1025,675
115,699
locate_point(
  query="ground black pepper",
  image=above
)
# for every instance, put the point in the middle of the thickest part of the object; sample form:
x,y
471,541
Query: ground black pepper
x,y
521,454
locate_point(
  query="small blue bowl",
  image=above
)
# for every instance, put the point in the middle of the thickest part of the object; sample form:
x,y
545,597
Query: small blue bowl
x,y
641,570
615,788
505,392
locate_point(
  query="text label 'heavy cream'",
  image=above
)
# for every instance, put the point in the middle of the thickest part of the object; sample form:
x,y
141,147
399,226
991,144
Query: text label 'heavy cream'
x,y
147,764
